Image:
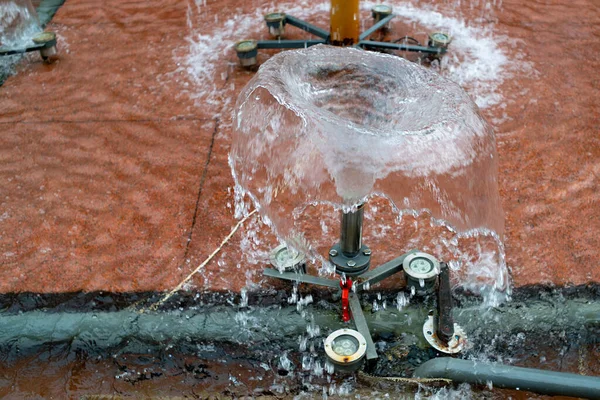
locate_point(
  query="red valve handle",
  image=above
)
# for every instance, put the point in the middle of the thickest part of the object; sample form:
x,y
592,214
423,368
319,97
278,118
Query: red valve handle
x,y
346,286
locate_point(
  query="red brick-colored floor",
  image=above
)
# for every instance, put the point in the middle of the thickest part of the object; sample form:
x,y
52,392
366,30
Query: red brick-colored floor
x,y
113,178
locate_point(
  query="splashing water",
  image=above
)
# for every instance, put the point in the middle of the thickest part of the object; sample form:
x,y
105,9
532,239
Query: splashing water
x,y
337,126
18,23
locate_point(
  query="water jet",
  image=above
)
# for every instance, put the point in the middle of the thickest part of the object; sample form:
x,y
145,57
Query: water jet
x,y
316,110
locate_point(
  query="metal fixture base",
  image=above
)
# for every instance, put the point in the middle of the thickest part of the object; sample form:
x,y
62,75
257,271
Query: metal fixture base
x,y
351,266
454,345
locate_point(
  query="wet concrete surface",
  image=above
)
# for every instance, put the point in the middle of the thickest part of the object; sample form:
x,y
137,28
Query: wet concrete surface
x,y
96,359
115,179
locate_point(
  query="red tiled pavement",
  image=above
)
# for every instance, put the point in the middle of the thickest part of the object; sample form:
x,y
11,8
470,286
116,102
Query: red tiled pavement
x,y
103,154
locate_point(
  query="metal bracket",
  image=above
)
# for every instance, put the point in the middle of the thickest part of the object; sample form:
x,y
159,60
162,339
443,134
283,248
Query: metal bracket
x,y
296,277
383,271
369,44
305,26
361,325
376,27
288,44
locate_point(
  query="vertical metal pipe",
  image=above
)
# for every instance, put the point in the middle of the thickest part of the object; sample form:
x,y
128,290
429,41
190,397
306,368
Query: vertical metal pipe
x,y
345,22
445,322
351,231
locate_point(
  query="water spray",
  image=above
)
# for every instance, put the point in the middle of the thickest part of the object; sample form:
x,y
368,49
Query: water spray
x,y
44,42
344,30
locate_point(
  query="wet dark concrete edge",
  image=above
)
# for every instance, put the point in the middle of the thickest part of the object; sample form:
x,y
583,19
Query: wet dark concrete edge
x,y
110,301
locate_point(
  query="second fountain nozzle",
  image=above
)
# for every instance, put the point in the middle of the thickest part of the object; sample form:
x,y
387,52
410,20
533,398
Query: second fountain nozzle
x,y
351,231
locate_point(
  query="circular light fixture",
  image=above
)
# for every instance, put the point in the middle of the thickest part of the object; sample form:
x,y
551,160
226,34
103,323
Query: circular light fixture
x,y
421,271
439,39
380,11
346,349
276,24
247,50
287,260
48,40
44,37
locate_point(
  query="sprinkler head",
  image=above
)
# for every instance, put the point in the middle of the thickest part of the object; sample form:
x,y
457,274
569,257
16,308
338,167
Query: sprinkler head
x,y
276,24
285,259
421,271
48,40
346,349
247,50
379,12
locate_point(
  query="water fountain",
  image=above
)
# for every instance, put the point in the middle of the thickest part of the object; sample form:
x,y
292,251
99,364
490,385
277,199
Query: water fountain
x,y
266,328
329,125
367,123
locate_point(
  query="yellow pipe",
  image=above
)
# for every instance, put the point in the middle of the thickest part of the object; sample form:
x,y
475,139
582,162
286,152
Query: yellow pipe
x,y
345,22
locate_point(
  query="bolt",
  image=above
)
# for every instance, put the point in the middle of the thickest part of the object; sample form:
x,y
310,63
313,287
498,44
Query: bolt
x,y
351,263
333,252
367,252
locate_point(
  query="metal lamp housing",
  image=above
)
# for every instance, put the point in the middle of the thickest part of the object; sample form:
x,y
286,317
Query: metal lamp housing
x,y
421,271
346,349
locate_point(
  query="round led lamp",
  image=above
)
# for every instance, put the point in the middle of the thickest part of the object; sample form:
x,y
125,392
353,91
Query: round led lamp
x,y
380,11
287,260
276,24
48,40
421,271
346,349
247,50
439,39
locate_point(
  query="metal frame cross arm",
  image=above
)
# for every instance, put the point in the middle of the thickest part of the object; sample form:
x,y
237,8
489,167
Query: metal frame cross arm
x,y
376,27
383,271
361,326
370,44
29,48
288,44
307,27
304,278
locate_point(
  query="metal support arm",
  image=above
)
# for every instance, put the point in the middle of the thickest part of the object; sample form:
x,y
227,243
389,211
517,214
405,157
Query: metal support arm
x,y
295,277
383,271
33,47
361,325
399,46
287,44
376,27
305,26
